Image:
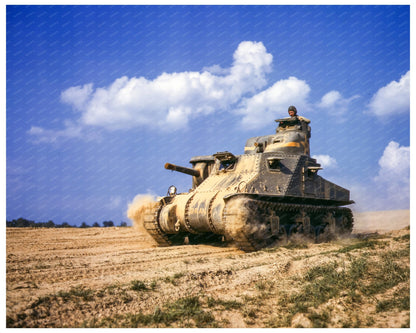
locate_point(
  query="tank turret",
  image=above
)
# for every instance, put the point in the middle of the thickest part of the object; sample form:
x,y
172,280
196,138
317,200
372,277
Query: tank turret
x,y
292,137
256,199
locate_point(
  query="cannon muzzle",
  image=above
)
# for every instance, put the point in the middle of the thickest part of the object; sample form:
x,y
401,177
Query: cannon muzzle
x,y
188,171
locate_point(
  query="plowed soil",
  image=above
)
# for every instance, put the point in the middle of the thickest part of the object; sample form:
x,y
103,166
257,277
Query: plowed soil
x,y
117,277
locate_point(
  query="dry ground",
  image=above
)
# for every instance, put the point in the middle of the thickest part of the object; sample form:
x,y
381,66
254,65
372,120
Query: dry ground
x,y
116,277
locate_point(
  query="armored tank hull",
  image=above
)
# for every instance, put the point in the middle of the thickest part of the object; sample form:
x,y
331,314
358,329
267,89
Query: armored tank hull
x,y
266,195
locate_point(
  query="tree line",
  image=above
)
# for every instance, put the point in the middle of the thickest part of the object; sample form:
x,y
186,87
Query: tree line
x,y
24,223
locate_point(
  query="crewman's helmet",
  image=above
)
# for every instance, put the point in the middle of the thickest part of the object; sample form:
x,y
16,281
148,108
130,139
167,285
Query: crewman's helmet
x,y
292,108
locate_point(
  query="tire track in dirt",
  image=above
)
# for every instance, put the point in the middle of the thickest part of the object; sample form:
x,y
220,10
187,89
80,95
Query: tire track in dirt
x,y
107,257
42,262
39,264
133,261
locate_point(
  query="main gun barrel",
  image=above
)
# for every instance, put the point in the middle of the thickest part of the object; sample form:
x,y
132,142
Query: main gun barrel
x,y
178,168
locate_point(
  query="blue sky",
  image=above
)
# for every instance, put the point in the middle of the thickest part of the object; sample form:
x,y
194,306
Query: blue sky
x,y
100,97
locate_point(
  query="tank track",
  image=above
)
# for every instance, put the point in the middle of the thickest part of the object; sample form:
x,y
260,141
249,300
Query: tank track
x,y
260,213
150,223
263,211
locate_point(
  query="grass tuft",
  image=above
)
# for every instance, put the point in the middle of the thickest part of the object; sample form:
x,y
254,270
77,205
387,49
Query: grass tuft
x,y
184,312
138,285
224,304
77,292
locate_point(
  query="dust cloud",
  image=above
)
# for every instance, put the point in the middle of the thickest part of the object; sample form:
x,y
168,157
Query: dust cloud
x,y
381,221
137,207
243,219
237,214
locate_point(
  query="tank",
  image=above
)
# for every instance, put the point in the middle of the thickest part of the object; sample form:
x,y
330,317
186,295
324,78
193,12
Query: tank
x,y
255,200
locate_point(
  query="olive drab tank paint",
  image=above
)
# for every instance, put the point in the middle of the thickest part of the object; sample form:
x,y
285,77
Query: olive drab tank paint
x,y
267,194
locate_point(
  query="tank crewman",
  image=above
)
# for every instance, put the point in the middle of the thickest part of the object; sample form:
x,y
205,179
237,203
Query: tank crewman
x,y
293,113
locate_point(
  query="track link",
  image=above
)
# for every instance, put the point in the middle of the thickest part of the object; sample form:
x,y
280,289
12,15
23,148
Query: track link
x,y
249,224
150,222
255,231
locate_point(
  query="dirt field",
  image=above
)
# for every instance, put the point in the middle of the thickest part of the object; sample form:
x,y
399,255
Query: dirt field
x,y
116,277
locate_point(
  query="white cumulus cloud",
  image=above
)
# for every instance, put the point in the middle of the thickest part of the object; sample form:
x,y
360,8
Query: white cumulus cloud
x,y
390,188
42,135
171,99
335,103
267,105
325,161
394,165
394,98
77,96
